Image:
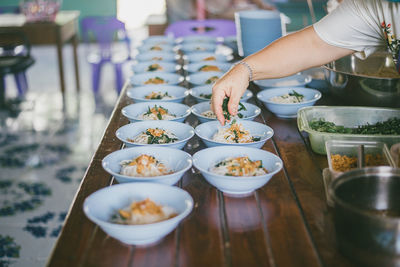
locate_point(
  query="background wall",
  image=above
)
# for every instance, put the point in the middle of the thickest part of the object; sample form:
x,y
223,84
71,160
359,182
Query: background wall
x,y
87,7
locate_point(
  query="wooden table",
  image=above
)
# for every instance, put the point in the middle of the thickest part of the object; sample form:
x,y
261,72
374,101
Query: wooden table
x,y
63,29
285,223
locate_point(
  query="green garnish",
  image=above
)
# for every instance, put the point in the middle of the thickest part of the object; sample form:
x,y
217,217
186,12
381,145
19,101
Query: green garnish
x,y
388,127
207,96
225,111
298,96
212,79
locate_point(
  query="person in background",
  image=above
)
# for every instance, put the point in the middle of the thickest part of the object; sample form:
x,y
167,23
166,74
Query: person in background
x,y
225,9
214,9
355,26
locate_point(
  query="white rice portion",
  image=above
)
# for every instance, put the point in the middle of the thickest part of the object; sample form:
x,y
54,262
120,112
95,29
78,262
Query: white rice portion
x,y
153,169
209,114
152,116
143,137
223,169
285,99
226,135
167,212
164,96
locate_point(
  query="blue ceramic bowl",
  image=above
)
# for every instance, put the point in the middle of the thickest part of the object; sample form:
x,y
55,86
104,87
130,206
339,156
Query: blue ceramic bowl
x,y
207,130
197,39
157,56
288,110
133,111
169,78
183,131
297,80
199,57
207,158
144,66
154,47
196,67
197,47
207,89
159,40
201,78
100,206
318,79
176,160
138,94
251,112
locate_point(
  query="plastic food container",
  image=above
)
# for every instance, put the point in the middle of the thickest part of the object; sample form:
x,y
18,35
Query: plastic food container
x,y
345,155
395,153
348,117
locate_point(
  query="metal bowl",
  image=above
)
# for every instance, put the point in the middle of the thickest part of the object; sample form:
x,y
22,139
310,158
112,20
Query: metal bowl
x,y
370,82
367,215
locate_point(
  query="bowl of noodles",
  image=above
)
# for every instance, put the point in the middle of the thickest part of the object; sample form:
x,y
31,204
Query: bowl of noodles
x,y
151,78
203,111
370,82
156,111
164,93
235,133
203,93
140,213
147,164
237,170
164,133
207,67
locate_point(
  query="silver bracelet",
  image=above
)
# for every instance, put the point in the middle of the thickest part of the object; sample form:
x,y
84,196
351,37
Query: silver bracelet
x,y
248,68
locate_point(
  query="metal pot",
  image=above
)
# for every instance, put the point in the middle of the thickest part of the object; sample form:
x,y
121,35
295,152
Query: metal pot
x,y
370,82
367,215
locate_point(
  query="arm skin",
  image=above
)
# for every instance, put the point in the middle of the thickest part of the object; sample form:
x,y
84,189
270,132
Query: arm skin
x,y
286,56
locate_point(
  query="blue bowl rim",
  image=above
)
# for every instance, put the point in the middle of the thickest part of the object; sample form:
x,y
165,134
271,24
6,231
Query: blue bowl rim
x,y
187,113
307,79
278,162
189,207
161,177
263,140
186,92
317,93
129,125
178,76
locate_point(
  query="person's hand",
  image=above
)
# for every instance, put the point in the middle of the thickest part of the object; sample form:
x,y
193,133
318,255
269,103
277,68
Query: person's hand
x,y
232,84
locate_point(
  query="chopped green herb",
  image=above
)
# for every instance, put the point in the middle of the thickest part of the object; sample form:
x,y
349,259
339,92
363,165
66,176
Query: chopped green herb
x,y
388,127
226,113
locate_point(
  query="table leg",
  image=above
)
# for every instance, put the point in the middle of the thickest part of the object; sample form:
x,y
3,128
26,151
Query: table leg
x,y
75,47
60,64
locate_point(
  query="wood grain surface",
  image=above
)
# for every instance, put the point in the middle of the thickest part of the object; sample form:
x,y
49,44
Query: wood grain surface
x,y
284,223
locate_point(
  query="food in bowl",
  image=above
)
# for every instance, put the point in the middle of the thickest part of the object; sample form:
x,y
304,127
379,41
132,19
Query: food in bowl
x,y
154,67
211,80
155,80
206,96
154,136
288,98
157,113
144,166
342,163
388,127
143,212
156,48
234,134
239,166
209,68
158,96
211,115
210,58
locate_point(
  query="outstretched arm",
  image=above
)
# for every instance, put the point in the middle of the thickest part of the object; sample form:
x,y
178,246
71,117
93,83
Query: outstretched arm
x,y
286,56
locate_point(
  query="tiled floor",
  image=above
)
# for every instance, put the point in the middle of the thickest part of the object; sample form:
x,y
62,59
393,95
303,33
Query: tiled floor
x,y
44,152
